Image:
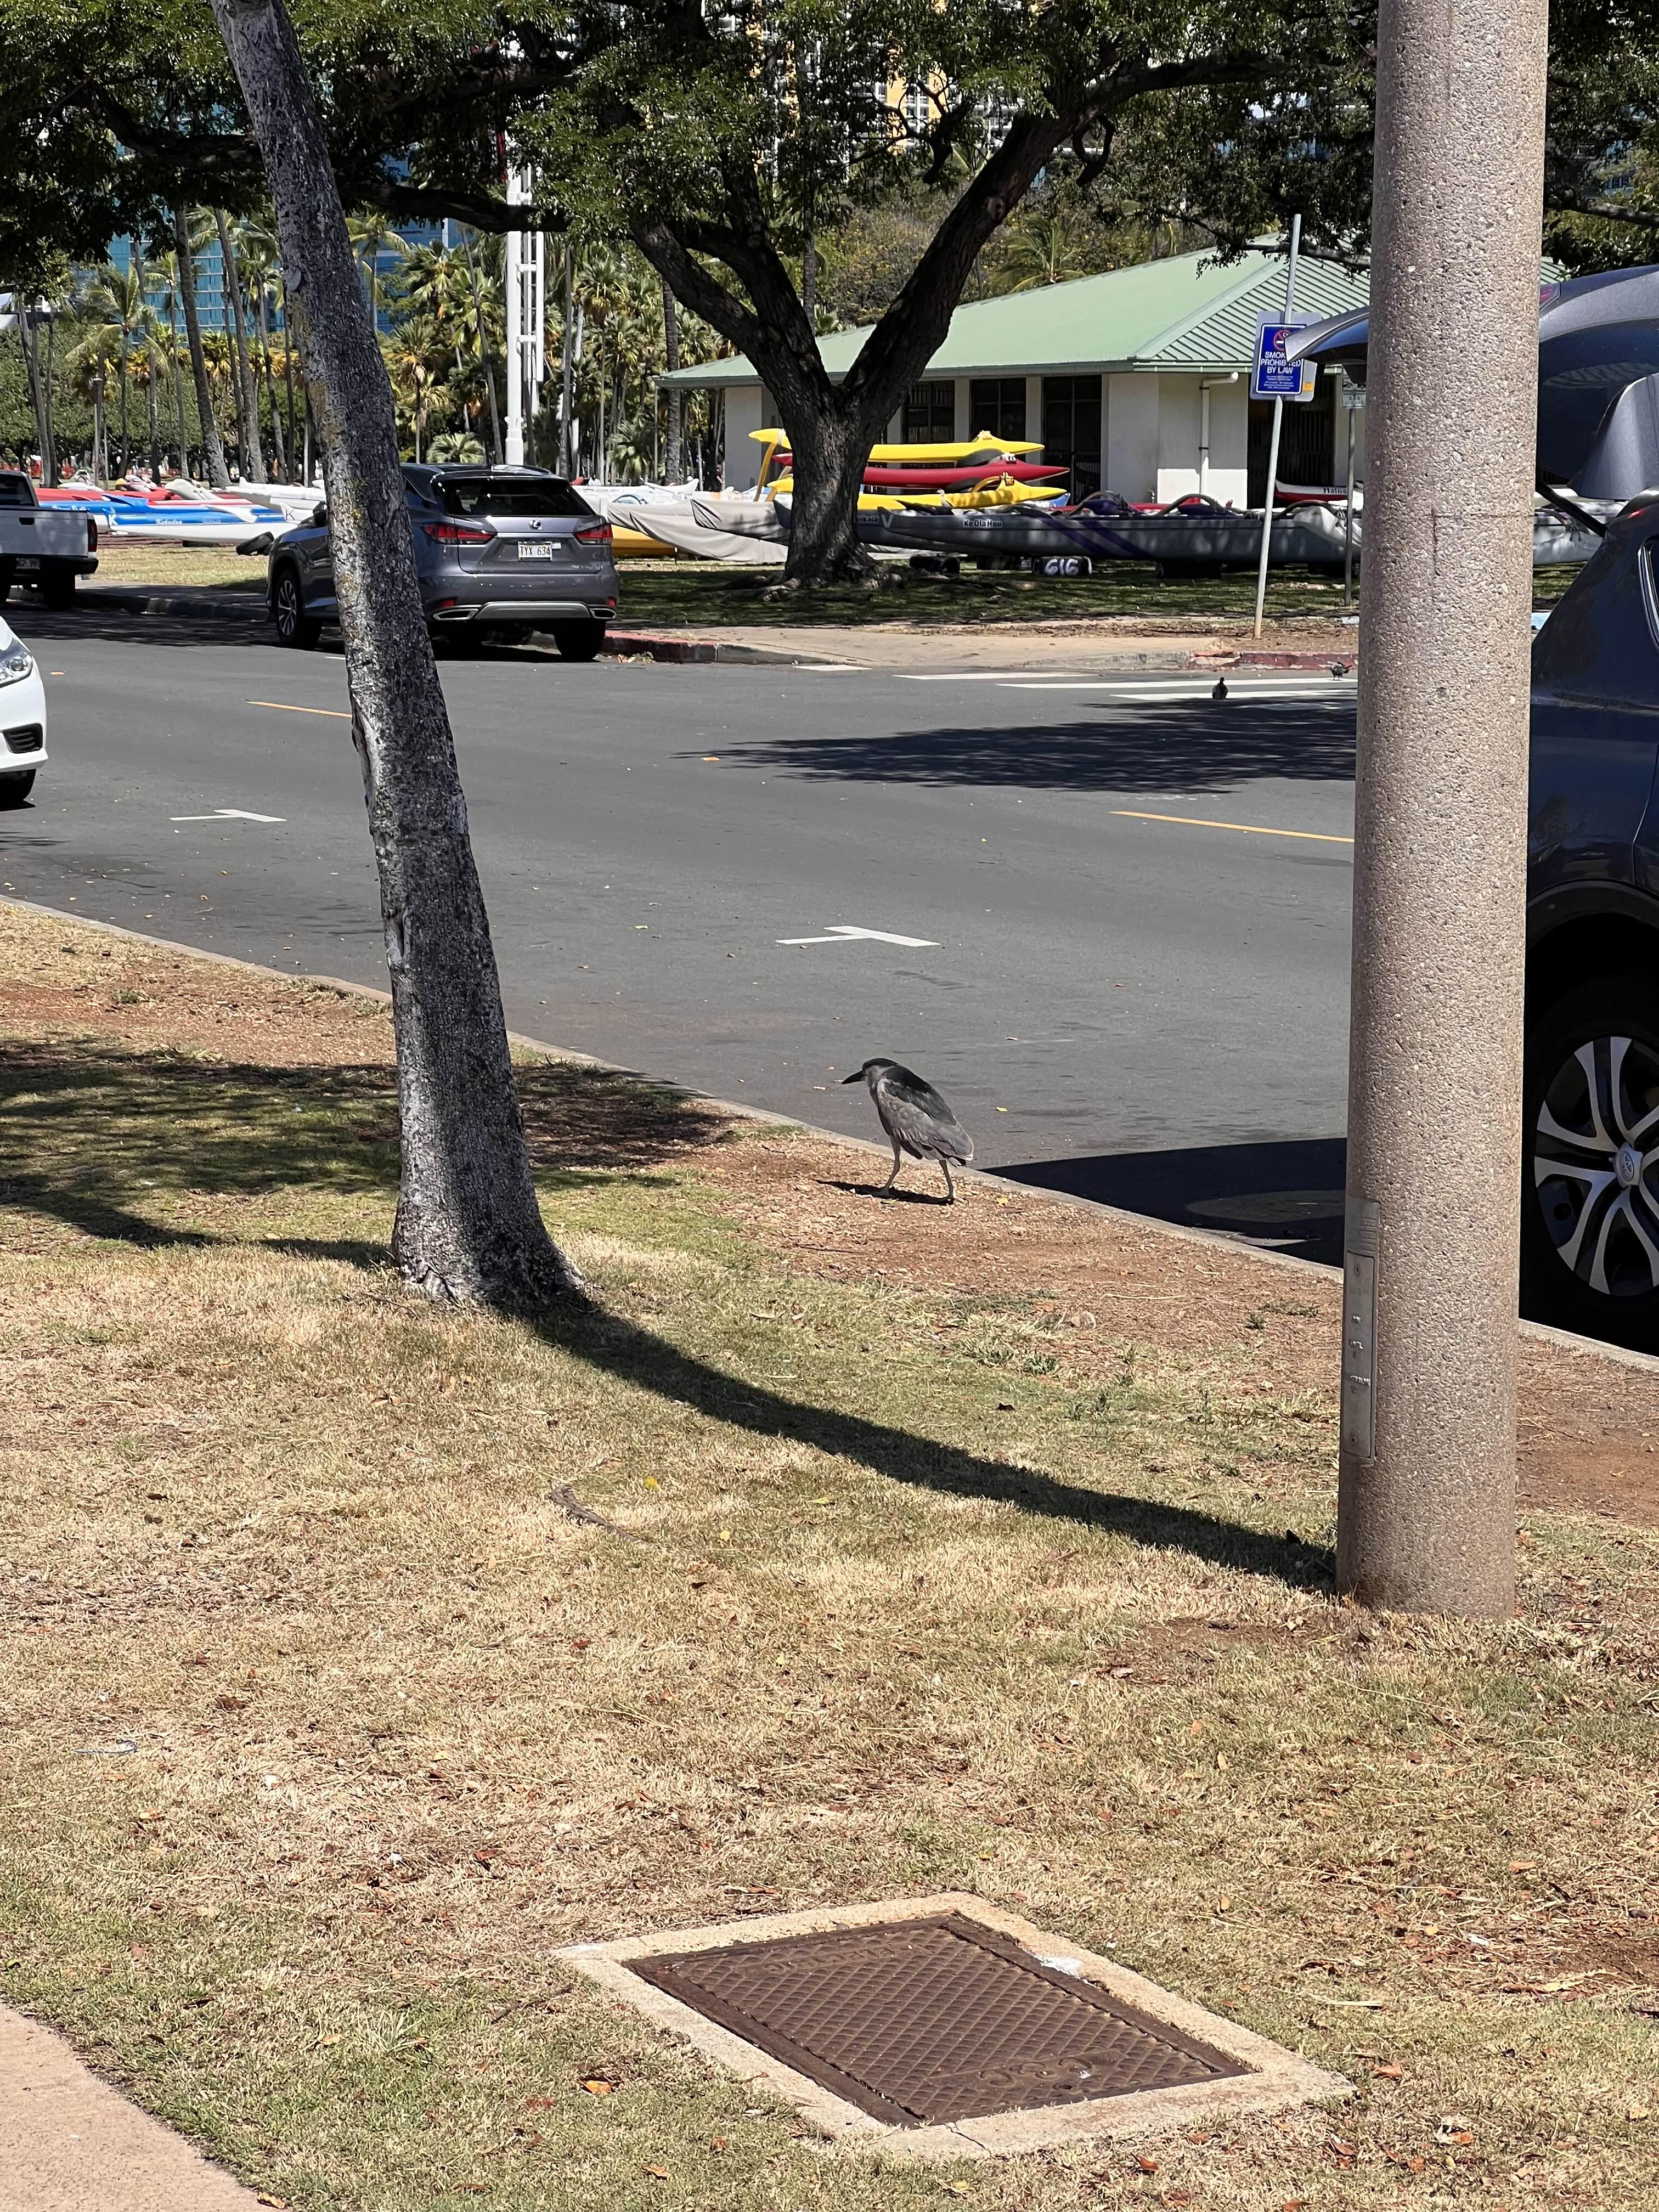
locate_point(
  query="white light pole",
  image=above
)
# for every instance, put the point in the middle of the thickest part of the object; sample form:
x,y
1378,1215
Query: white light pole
x,y
526,358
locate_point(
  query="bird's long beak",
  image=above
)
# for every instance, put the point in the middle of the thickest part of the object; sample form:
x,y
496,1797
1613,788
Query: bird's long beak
x,y
857,1076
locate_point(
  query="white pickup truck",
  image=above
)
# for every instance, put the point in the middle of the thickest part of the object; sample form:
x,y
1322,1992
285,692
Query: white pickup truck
x,y
44,545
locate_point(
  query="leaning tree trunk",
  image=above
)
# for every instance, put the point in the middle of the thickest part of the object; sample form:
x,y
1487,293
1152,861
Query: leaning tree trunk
x,y
468,1227
155,415
38,394
218,474
671,356
279,451
241,366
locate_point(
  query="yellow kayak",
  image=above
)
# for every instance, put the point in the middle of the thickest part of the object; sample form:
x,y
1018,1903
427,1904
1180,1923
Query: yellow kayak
x,y
975,449
1004,492
638,545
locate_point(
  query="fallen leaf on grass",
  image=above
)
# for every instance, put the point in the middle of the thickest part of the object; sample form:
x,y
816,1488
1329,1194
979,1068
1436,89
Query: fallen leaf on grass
x,y
656,2172
599,2087
956,2189
1388,2073
1146,2164
280,2203
327,2041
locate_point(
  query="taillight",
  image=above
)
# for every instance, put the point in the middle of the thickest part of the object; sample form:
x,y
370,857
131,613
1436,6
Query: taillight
x,y
457,533
92,533
597,533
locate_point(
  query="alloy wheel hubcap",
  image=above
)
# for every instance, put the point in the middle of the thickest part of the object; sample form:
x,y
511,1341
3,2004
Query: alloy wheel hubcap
x,y
1596,1165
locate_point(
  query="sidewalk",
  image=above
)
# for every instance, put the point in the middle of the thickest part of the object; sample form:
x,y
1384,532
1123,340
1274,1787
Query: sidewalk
x,y
68,2142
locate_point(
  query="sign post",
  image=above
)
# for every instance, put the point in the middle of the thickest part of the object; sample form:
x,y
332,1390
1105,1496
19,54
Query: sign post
x,y
1353,399
1279,379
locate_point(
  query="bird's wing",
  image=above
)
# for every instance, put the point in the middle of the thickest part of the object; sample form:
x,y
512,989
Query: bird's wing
x,y
913,1112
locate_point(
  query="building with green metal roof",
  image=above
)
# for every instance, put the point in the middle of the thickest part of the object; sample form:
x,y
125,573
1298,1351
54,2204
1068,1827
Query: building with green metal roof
x,y
1136,380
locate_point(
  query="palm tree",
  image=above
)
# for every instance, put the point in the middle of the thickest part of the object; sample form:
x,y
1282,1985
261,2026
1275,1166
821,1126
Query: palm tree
x,y
166,280
480,326
247,398
1042,248
261,259
115,303
371,236
218,474
414,354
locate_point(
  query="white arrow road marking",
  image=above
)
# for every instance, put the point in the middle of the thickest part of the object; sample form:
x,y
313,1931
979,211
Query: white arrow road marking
x,y
840,934
229,814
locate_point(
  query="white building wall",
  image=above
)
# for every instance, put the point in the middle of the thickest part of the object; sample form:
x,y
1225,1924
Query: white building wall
x,y
744,406
1129,431
1180,435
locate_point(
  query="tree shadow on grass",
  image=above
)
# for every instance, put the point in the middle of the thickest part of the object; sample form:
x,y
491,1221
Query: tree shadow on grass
x,y
91,1128
648,1362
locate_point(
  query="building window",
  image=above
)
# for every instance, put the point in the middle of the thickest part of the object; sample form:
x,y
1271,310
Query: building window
x,y
1070,429
930,414
997,403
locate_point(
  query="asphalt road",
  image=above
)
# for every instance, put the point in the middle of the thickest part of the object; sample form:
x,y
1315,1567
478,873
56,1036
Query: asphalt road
x,y
1151,1011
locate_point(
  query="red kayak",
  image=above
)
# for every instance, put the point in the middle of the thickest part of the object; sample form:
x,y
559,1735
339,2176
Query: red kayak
x,y
963,478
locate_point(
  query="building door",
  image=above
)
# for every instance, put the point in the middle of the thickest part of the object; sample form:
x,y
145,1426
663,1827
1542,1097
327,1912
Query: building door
x,y
997,403
1070,429
1306,444
930,414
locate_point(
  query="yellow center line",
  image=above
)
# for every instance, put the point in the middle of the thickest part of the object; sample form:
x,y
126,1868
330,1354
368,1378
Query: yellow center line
x,y
281,707
1249,828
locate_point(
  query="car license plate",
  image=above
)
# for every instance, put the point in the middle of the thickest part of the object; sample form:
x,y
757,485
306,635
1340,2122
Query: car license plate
x,y
30,561
536,548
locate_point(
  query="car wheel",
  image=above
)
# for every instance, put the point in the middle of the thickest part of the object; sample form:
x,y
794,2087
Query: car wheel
x,y
1589,1198
577,640
15,789
58,591
294,625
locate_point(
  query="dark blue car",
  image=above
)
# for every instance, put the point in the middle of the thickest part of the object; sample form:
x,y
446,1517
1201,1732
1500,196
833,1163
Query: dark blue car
x,y
1589,1200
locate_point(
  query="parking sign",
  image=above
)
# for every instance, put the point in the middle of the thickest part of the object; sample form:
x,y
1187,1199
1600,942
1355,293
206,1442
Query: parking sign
x,y
1273,376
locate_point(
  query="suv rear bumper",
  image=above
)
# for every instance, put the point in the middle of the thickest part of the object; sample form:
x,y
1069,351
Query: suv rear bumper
x,y
531,612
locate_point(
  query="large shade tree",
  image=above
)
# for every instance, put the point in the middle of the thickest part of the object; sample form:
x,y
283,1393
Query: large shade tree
x,y
729,141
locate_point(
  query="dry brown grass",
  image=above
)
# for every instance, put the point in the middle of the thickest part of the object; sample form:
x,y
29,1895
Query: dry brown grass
x,y
325,1724
178,565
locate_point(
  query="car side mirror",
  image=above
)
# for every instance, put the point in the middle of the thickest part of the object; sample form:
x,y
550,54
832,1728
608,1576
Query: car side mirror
x,y
319,514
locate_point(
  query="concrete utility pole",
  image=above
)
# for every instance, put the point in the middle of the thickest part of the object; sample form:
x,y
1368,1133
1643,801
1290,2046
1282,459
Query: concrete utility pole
x,y
1426,1511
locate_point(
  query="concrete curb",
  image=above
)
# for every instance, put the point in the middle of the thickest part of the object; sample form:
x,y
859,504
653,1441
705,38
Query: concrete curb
x,y
669,646
133,599
1586,1347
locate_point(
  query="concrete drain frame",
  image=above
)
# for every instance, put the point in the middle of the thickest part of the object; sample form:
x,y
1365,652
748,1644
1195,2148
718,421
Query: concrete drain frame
x,y
1246,2074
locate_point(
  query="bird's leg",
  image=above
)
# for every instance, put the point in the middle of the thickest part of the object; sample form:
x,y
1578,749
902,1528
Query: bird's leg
x,y
949,1187
893,1178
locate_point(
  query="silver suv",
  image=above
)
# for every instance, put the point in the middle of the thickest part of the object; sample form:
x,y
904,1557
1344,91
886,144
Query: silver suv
x,y
499,552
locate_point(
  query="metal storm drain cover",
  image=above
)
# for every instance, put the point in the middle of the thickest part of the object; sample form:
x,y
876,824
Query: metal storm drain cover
x,y
933,2020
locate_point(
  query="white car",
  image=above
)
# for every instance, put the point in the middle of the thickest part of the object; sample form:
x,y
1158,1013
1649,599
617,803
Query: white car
x,y
22,718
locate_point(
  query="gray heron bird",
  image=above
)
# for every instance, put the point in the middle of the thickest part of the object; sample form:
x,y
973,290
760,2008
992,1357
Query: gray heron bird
x,y
916,1119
